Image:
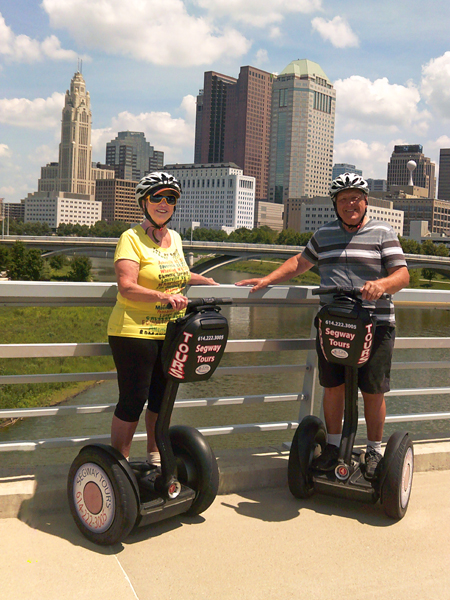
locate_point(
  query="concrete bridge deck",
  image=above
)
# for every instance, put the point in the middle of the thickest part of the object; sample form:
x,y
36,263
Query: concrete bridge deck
x,y
256,544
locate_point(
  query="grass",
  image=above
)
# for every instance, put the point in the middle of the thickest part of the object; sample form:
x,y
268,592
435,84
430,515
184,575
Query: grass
x,y
264,267
50,325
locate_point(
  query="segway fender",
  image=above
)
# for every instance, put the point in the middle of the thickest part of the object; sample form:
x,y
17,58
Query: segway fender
x,y
391,450
121,460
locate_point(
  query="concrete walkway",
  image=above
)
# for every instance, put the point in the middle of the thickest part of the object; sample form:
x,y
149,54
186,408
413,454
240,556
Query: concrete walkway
x,y
256,545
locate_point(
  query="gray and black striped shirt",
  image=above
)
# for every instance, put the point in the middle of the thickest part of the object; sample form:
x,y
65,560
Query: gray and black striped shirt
x,y
350,259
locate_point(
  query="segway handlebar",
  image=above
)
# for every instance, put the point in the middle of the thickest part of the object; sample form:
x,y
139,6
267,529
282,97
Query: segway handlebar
x,y
199,302
353,292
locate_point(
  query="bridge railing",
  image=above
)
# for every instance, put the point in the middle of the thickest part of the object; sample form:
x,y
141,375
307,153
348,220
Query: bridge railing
x,y
103,294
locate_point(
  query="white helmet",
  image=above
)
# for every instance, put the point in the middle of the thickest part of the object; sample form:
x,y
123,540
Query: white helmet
x,y
348,181
155,182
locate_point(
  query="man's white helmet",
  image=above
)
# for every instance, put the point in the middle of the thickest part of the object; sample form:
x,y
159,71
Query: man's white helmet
x,y
348,181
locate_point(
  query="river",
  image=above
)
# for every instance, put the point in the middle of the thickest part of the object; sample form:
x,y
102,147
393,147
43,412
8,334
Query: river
x,y
252,323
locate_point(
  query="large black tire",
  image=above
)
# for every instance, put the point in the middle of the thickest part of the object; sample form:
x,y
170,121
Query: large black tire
x,y
196,465
101,497
397,469
309,434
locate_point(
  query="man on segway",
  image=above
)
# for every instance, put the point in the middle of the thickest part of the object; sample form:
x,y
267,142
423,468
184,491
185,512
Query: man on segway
x,y
353,251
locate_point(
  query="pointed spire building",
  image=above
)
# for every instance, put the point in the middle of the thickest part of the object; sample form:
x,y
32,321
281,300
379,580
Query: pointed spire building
x,y
75,150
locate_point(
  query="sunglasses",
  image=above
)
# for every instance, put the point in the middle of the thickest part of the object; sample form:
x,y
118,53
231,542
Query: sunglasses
x,y
172,200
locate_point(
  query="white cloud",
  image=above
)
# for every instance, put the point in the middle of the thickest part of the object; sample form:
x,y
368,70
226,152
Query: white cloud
x,y
4,151
155,31
372,158
436,84
172,135
21,48
365,104
261,58
40,113
337,31
258,13
44,154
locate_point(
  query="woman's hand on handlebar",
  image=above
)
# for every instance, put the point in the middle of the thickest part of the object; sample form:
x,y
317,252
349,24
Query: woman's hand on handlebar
x,y
177,301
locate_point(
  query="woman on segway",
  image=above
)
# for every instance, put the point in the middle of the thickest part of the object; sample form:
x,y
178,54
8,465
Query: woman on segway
x,y
151,273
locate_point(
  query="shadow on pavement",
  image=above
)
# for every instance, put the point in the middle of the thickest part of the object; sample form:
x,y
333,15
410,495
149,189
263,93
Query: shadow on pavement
x,y
277,505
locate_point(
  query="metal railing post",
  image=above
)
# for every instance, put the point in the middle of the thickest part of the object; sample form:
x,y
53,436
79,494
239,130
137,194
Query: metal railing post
x,y
309,380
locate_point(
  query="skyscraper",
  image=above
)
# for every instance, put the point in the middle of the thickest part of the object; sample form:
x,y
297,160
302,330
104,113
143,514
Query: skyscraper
x,y
423,175
75,149
444,174
302,132
341,168
132,156
233,123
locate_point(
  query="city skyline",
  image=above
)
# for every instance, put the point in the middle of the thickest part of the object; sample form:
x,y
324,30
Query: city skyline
x,y
388,62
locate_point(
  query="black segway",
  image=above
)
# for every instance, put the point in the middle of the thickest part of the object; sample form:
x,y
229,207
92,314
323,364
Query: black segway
x,y
108,495
346,332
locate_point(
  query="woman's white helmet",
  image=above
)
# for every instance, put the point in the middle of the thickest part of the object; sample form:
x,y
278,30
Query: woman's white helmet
x,y
157,181
348,181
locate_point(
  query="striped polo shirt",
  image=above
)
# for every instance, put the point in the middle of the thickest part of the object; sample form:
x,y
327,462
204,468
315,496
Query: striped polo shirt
x,y
347,259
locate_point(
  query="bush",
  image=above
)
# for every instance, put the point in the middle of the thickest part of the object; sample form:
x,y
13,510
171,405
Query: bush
x,y
4,258
80,268
58,261
24,265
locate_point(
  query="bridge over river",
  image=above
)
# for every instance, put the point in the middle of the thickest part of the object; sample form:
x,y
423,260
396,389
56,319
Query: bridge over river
x,y
219,253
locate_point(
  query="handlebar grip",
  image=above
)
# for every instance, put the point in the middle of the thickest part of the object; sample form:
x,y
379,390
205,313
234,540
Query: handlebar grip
x,y
342,291
197,302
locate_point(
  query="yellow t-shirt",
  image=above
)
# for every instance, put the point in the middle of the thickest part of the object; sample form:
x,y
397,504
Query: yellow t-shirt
x,y
162,269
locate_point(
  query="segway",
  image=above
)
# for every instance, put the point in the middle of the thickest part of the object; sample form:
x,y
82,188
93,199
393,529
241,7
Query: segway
x,y
109,496
346,332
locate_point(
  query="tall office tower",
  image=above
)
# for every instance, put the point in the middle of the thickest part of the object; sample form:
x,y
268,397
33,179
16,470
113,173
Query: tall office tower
x,y
211,118
341,168
302,132
198,127
233,123
423,174
75,149
444,174
377,185
132,156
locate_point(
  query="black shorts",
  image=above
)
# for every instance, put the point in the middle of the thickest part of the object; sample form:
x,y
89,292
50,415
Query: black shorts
x,y
374,377
139,374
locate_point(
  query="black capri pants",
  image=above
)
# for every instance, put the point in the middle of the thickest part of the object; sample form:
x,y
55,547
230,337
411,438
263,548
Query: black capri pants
x,y
139,374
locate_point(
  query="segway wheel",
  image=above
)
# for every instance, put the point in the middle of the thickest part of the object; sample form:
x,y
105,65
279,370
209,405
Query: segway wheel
x,y
196,465
101,497
396,489
308,436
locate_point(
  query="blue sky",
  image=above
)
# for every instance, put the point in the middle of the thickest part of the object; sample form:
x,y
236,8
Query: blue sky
x,y
143,62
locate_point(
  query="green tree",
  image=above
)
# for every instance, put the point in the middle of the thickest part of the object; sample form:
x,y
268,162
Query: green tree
x,y
242,235
58,261
414,278
288,237
80,268
117,228
428,247
409,246
442,250
429,274
4,258
24,265
305,237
